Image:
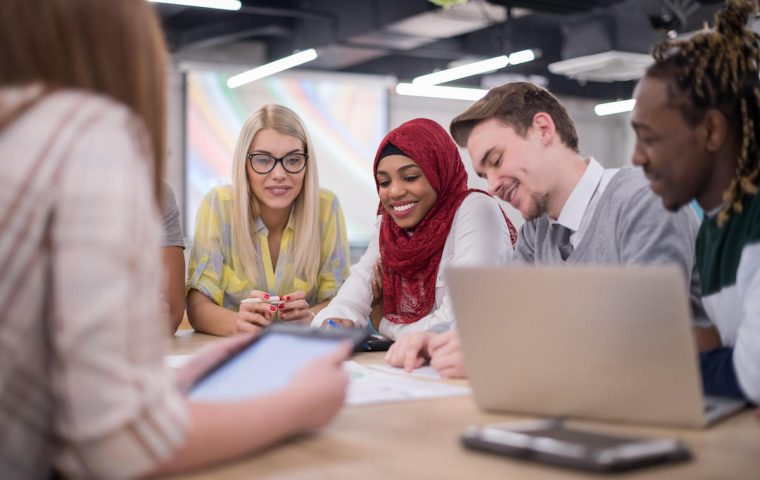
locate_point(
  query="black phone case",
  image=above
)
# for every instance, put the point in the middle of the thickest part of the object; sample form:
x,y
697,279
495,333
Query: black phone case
x,y
681,453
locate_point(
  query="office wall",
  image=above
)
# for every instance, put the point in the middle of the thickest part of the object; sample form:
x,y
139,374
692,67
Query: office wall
x,y
175,162
345,116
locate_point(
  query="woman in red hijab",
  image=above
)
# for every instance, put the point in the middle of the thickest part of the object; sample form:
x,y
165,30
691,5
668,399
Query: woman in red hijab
x,y
428,219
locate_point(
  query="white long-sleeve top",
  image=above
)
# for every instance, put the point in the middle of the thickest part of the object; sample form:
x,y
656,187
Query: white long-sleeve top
x,y
478,236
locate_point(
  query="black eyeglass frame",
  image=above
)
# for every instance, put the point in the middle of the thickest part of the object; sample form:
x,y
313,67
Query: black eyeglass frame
x,y
249,157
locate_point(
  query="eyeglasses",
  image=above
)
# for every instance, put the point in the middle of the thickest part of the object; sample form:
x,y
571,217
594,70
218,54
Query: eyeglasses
x,y
263,163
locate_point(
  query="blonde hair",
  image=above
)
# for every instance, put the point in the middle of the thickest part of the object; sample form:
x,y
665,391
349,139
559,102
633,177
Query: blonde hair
x,y
114,47
245,205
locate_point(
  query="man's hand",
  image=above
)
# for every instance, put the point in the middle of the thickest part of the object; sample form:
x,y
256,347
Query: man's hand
x,y
446,354
410,350
707,338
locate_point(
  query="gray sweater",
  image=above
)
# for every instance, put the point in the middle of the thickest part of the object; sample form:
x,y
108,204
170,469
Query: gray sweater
x,y
630,226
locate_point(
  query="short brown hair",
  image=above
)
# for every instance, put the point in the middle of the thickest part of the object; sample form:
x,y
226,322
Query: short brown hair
x,y
111,47
515,104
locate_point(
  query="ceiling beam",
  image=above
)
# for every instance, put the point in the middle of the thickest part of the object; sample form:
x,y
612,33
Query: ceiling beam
x,y
234,29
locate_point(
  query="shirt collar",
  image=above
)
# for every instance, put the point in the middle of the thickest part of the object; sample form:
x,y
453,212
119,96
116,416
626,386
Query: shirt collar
x,y
579,199
259,226
714,212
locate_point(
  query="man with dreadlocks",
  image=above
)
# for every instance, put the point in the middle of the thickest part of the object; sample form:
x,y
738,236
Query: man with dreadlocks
x,y
697,124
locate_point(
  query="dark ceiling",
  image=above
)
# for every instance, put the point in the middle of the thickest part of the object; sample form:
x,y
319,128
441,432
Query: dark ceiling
x,y
408,38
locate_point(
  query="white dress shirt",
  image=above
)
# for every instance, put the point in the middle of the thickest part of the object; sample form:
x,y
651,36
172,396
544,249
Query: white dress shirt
x,y
581,204
478,236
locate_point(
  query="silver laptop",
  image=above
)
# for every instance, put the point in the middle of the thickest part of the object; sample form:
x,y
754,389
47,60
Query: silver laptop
x,y
605,343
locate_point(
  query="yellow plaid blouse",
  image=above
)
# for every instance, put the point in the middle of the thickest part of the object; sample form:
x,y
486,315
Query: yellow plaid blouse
x,y
215,268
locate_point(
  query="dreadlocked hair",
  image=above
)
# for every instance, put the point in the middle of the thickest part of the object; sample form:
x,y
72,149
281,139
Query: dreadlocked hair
x,y
718,69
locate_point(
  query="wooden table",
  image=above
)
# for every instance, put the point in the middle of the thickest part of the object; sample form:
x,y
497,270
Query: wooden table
x,y
419,440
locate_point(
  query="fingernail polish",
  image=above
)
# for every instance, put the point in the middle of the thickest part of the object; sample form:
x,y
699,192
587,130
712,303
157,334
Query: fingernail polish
x,y
266,295
287,299
273,308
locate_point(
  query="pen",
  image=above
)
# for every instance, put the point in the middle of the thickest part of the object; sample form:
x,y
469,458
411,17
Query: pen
x,y
272,299
332,324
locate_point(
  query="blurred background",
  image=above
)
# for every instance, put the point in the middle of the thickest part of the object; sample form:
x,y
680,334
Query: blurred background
x,y
366,74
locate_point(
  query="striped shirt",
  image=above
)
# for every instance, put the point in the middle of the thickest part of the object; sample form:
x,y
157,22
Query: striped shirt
x,y
84,388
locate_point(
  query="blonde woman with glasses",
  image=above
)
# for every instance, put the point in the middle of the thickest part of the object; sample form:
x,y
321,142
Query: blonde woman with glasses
x,y
272,245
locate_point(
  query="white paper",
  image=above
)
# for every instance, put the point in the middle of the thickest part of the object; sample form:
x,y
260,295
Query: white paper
x,y
369,385
421,372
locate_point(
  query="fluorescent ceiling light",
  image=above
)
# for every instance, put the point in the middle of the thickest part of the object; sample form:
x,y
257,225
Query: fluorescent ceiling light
x,y
462,71
522,56
272,68
435,91
614,107
475,68
220,4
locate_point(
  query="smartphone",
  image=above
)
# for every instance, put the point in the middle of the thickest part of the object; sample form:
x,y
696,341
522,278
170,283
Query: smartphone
x,y
270,361
375,343
550,442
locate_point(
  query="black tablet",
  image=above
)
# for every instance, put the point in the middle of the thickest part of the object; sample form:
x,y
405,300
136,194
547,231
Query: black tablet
x,y
270,361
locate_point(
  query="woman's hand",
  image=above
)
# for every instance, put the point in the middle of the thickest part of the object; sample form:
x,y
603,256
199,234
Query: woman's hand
x,y
377,285
376,316
322,386
254,316
377,311
208,357
341,322
294,308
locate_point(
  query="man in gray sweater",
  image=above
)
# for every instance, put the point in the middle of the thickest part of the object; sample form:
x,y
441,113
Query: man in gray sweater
x,y
522,140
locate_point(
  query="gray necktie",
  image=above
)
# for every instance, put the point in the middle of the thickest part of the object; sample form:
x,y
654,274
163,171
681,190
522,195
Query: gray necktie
x,y
561,237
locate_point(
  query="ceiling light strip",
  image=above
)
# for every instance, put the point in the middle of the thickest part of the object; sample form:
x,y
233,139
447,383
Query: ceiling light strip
x,y
218,4
523,56
434,91
272,68
475,68
612,108
462,71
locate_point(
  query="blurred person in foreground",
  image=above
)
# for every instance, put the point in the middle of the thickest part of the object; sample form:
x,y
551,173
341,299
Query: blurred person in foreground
x,y
85,393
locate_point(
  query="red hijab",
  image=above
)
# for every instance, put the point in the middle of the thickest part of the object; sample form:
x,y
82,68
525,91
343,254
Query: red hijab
x,y
410,262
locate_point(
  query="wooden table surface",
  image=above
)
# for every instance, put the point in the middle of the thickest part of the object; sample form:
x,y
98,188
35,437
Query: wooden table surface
x,y
419,439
